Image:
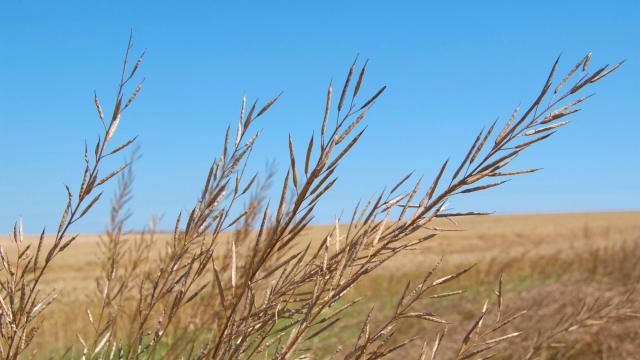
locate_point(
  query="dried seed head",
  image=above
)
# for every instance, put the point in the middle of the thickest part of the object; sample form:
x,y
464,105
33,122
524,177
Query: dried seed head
x,y
98,107
587,60
112,128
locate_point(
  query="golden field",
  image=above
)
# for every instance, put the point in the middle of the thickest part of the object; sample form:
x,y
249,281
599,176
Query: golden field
x,y
551,265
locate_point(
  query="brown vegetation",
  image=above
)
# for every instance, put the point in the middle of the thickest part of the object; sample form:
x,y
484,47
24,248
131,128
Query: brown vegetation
x,y
243,276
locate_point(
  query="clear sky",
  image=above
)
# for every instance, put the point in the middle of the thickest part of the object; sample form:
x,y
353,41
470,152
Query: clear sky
x,y
451,67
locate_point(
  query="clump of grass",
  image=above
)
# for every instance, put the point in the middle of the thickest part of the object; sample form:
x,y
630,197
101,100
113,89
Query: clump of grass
x,y
564,309
235,279
22,301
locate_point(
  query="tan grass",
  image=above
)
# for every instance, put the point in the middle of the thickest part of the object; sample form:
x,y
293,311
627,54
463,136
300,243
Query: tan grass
x,y
244,277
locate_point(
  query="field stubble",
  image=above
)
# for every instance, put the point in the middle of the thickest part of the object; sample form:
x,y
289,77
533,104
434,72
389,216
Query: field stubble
x,y
551,264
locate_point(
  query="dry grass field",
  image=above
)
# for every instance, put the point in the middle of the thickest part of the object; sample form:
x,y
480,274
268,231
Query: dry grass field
x,y
551,264
243,275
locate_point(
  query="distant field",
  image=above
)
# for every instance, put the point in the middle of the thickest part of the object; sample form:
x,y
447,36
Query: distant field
x,y
550,262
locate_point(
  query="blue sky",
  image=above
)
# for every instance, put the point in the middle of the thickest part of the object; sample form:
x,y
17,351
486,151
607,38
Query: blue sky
x,y
450,67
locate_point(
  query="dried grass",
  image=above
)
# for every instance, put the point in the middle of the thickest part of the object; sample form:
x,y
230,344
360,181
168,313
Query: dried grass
x,y
238,279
